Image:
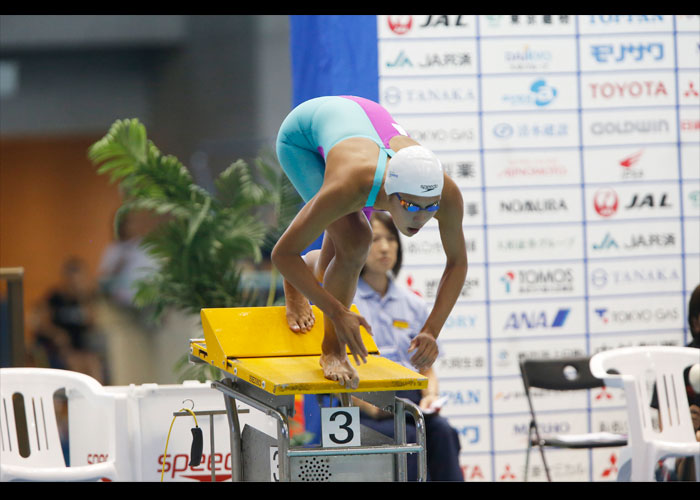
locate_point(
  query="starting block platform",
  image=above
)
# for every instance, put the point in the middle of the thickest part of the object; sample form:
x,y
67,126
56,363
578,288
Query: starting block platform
x,y
265,365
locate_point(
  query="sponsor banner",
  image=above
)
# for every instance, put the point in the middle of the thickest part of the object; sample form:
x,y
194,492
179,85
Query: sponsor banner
x,y
507,354
601,343
474,433
532,55
425,26
563,465
606,463
473,211
429,95
688,48
630,163
427,57
634,314
462,359
610,90
425,247
689,125
533,93
632,201
509,397
691,232
688,23
465,397
633,51
635,276
607,417
463,168
424,282
624,23
530,130
634,126
444,132
688,87
519,25
690,159
466,321
530,206
650,238
691,199
535,167
692,271
475,468
536,281
530,243
536,319
511,432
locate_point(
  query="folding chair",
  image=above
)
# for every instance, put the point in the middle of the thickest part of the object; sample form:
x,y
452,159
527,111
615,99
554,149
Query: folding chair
x,y
563,374
30,445
629,369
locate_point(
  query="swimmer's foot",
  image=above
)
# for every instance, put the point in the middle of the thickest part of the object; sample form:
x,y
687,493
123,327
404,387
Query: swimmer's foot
x,y
339,369
300,317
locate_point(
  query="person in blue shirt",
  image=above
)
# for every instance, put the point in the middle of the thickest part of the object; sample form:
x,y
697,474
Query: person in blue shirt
x,y
397,316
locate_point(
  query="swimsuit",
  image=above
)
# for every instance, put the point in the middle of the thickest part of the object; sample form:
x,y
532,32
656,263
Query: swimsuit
x,y
312,129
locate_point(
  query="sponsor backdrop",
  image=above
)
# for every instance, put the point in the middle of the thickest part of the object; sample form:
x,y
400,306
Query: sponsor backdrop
x,y
576,143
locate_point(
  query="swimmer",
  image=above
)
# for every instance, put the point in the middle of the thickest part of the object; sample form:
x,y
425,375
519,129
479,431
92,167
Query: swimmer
x,y
347,156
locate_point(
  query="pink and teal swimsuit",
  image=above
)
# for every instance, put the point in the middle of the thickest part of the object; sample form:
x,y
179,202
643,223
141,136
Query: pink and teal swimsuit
x,y
315,126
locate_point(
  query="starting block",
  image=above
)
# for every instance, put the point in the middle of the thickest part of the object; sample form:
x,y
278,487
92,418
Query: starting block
x,y
265,365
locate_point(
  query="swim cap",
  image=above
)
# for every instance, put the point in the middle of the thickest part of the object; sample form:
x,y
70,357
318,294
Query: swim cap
x,y
414,170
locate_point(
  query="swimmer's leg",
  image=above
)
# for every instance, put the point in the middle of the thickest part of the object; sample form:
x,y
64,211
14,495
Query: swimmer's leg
x,y
352,238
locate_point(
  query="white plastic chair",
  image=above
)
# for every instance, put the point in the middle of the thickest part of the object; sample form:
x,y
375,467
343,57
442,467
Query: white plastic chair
x,y
30,446
629,368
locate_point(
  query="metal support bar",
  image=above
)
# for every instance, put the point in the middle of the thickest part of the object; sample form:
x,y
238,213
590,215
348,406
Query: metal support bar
x,y
419,420
15,303
235,435
400,438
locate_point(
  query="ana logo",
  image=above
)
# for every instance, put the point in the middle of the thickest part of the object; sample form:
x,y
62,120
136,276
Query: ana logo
x,y
507,279
531,320
400,24
605,202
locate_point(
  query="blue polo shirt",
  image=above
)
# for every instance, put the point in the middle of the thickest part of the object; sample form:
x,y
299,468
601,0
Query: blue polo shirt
x,y
395,319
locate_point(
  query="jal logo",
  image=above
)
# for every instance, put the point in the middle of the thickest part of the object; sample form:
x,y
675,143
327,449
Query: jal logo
x,y
446,21
648,201
625,52
540,95
400,25
605,202
533,320
631,89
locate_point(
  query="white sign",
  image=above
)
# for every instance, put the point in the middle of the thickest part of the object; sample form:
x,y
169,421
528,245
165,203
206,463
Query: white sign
x,y
340,426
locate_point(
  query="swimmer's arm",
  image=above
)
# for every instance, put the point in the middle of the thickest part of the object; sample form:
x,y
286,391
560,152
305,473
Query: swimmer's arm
x,y
450,223
330,203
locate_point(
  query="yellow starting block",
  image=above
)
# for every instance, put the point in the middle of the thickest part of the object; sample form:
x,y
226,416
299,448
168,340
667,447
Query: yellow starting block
x,y
265,364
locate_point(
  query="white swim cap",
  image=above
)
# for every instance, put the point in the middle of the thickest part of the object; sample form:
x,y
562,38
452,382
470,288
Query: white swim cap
x,y
414,170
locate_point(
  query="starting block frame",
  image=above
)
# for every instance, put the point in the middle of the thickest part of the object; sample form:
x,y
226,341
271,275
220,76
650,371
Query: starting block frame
x,y
265,365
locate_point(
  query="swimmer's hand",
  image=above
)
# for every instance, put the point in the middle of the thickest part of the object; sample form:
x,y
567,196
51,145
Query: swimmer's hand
x,y
347,329
426,349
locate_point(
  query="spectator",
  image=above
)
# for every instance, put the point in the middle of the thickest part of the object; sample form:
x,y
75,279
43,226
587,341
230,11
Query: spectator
x,y
397,316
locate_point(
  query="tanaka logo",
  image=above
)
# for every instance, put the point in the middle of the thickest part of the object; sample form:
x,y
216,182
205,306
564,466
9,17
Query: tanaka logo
x,y
400,24
605,202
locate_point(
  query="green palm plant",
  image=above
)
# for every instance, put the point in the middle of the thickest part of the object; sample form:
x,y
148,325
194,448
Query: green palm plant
x,y
206,236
